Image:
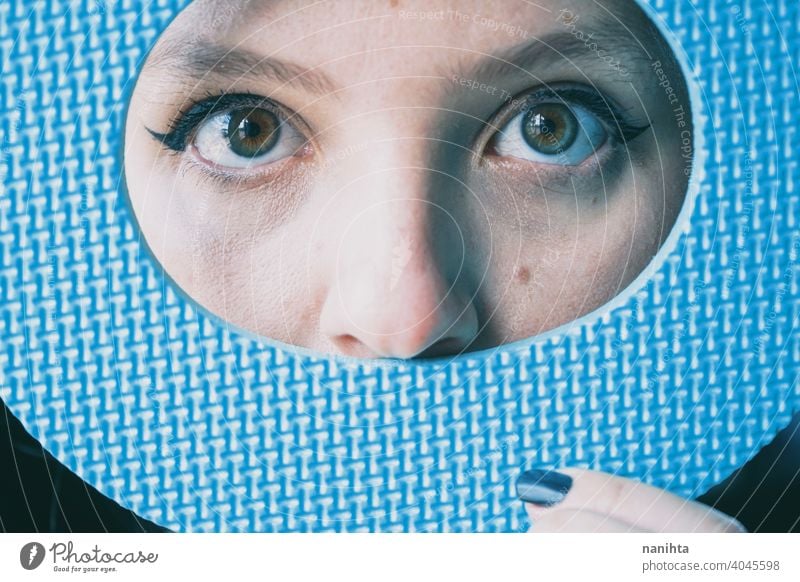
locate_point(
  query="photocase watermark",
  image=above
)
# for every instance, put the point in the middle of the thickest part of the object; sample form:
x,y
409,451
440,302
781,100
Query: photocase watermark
x,y
476,85
788,275
67,559
673,350
683,327
90,7
11,138
620,340
679,113
450,15
100,6
84,210
739,16
31,555
343,154
743,223
168,441
569,19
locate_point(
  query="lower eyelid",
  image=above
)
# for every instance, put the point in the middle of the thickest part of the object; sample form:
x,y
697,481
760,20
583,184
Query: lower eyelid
x,y
231,170
243,179
230,184
593,164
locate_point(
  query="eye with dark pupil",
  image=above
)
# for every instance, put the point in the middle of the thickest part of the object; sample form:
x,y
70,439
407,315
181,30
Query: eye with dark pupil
x,y
252,132
549,128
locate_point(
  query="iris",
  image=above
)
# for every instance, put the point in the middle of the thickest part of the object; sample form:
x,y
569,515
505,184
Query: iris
x,y
549,128
252,132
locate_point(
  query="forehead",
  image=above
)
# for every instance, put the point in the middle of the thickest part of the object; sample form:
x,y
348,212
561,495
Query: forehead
x,y
403,34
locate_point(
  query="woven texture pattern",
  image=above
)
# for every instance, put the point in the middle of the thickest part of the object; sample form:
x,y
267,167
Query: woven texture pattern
x,y
200,428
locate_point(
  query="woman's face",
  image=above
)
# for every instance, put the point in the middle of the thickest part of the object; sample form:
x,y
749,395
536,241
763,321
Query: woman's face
x,y
407,178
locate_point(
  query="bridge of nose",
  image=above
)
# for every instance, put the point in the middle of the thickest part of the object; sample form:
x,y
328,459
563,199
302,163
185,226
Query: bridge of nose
x,y
393,285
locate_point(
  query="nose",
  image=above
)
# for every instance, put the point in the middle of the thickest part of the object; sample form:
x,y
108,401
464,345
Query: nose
x,y
396,290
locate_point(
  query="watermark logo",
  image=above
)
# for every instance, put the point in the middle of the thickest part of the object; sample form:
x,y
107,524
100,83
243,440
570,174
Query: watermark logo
x,y
69,559
31,555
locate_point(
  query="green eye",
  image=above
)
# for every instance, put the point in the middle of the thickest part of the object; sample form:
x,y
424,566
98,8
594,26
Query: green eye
x,y
550,128
553,129
252,132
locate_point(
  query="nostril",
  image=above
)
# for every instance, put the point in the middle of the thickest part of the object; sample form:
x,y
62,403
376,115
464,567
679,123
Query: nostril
x,y
450,346
350,345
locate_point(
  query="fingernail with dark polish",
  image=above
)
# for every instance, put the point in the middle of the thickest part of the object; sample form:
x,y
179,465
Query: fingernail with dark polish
x,y
543,487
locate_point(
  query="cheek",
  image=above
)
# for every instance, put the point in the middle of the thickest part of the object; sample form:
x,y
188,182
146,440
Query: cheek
x,y
259,285
615,242
558,282
236,253
569,256
172,229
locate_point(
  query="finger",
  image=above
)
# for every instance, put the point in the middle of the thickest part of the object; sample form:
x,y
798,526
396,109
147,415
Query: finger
x,y
625,500
576,521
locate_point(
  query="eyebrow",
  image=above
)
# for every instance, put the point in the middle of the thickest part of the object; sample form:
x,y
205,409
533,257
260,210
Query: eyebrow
x,y
199,60
614,38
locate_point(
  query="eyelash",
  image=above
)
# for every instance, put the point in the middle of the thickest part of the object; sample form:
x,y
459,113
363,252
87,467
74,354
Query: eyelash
x,y
622,130
183,127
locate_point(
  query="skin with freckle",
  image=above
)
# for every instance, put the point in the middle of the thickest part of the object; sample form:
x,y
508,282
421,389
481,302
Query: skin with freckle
x,y
413,205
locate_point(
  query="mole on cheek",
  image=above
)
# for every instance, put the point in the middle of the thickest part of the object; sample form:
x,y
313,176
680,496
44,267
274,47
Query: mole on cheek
x,y
522,275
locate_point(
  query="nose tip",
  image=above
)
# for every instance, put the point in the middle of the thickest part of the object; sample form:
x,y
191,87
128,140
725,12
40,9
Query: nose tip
x,y
421,342
448,328
393,295
407,322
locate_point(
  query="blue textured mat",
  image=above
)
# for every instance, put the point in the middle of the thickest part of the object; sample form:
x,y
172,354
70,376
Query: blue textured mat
x,y
201,428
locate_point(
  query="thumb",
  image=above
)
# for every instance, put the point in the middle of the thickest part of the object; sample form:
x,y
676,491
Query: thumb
x,y
624,500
